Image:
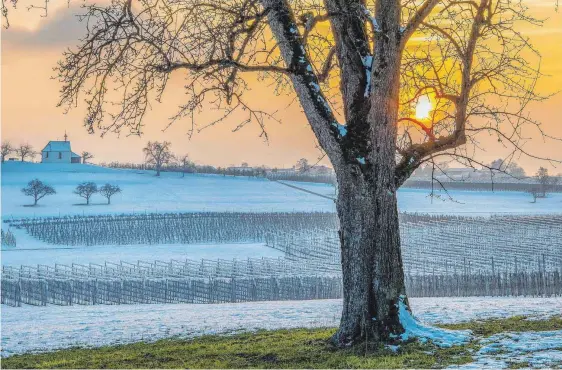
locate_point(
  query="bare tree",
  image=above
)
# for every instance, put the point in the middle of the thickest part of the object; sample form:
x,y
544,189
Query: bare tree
x,y
508,167
535,193
474,68
108,191
7,148
86,156
546,182
185,164
302,165
37,189
24,151
158,154
86,190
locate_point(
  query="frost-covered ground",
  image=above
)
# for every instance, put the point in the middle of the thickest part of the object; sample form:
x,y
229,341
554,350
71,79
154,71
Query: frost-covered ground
x,y
45,328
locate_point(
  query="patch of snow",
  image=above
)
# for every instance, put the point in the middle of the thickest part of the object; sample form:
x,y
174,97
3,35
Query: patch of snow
x,y
372,19
393,348
414,329
315,86
341,128
538,349
520,343
368,63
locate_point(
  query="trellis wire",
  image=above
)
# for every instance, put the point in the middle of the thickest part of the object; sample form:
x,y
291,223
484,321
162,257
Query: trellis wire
x,y
443,256
238,281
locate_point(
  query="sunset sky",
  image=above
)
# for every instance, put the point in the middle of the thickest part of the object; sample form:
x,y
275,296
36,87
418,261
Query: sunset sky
x,y
33,44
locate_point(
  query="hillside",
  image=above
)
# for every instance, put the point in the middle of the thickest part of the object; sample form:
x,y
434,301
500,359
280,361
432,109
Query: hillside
x,y
144,192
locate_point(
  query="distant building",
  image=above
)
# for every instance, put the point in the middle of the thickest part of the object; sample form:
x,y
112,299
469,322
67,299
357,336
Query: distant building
x,y
321,170
59,152
243,169
459,173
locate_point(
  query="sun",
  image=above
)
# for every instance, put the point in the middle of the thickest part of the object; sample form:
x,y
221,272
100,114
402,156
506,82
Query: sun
x,y
423,107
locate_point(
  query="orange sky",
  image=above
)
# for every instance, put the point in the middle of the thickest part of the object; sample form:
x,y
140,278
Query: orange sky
x,y
32,46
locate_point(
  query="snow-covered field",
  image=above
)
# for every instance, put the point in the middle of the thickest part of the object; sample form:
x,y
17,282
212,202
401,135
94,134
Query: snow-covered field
x,y
143,192
45,328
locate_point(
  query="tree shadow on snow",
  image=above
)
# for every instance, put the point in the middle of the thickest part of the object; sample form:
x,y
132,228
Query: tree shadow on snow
x,y
91,204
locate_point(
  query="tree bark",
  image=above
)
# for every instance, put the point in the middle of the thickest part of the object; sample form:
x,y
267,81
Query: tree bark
x,y
373,277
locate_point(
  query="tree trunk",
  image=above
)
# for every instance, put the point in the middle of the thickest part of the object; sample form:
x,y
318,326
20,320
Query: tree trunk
x,y
373,274
373,277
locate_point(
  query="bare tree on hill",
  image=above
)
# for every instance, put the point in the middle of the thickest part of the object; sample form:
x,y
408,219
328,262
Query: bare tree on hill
x,y
86,190
158,154
546,182
38,190
7,148
86,156
185,164
109,190
509,167
357,67
25,151
302,165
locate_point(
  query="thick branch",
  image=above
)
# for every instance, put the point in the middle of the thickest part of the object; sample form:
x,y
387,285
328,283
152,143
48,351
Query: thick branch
x,y
421,14
306,84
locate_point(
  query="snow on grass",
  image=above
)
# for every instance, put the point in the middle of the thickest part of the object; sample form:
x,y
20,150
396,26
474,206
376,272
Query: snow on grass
x,y
45,328
536,349
414,329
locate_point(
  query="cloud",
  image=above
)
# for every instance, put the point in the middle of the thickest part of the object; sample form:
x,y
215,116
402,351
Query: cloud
x,y
58,30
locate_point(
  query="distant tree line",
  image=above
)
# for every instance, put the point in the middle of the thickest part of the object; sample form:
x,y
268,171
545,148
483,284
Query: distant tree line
x,y
160,158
